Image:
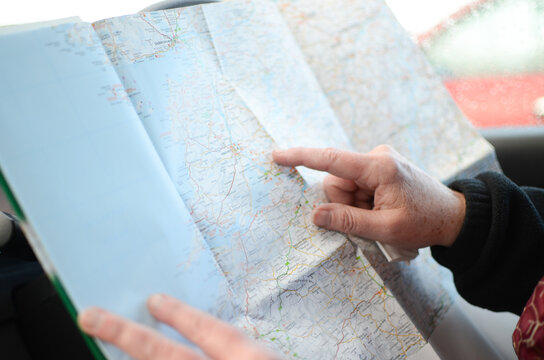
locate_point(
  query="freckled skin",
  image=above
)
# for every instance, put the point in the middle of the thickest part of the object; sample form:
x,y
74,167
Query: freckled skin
x,y
381,196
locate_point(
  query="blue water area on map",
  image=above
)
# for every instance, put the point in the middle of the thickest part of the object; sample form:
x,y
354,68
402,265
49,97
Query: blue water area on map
x,y
90,182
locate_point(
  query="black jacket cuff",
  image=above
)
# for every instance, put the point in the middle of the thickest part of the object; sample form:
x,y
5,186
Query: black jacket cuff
x,y
475,230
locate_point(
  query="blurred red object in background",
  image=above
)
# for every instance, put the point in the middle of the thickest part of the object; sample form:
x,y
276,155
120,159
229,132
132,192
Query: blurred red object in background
x,y
499,101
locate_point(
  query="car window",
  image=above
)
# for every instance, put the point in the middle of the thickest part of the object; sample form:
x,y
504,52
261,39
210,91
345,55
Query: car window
x,y
490,55
29,11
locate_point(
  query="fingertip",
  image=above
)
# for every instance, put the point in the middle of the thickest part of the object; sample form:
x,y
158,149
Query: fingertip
x,y
156,302
278,154
321,217
89,320
162,305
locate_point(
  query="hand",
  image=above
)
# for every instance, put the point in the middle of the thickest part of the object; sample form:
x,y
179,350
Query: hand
x,y
381,196
217,339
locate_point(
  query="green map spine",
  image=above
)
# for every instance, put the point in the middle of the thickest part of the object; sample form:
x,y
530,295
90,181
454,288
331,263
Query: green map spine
x,y
93,347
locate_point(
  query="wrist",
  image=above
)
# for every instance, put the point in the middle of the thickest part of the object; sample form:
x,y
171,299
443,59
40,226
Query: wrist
x,y
455,219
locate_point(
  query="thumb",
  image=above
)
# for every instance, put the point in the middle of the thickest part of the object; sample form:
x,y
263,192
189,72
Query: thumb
x,y
369,224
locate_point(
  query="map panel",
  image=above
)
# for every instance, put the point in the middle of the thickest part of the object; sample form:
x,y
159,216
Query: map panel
x,y
381,86
109,224
248,50
260,57
254,215
217,87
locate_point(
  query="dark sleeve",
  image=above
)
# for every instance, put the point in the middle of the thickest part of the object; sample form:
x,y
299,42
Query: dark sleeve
x,y
498,257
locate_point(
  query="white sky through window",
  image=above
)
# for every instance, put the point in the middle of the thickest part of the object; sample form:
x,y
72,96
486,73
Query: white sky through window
x,y
416,16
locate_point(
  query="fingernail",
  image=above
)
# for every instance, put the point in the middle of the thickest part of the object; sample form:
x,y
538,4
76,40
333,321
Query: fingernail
x,y
322,218
278,152
155,301
90,319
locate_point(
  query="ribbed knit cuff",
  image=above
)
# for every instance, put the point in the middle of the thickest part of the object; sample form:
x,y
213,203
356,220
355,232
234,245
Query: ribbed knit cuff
x,y
467,247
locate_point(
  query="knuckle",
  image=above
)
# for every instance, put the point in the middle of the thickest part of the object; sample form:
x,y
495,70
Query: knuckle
x,y
113,330
331,154
383,148
329,187
328,181
390,165
160,350
150,349
200,331
347,222
129,337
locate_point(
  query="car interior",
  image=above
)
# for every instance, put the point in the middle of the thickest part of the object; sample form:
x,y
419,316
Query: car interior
x,y
34,323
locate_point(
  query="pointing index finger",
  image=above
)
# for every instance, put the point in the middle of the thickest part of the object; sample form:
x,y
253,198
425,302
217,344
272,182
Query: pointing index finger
x,y
344,164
